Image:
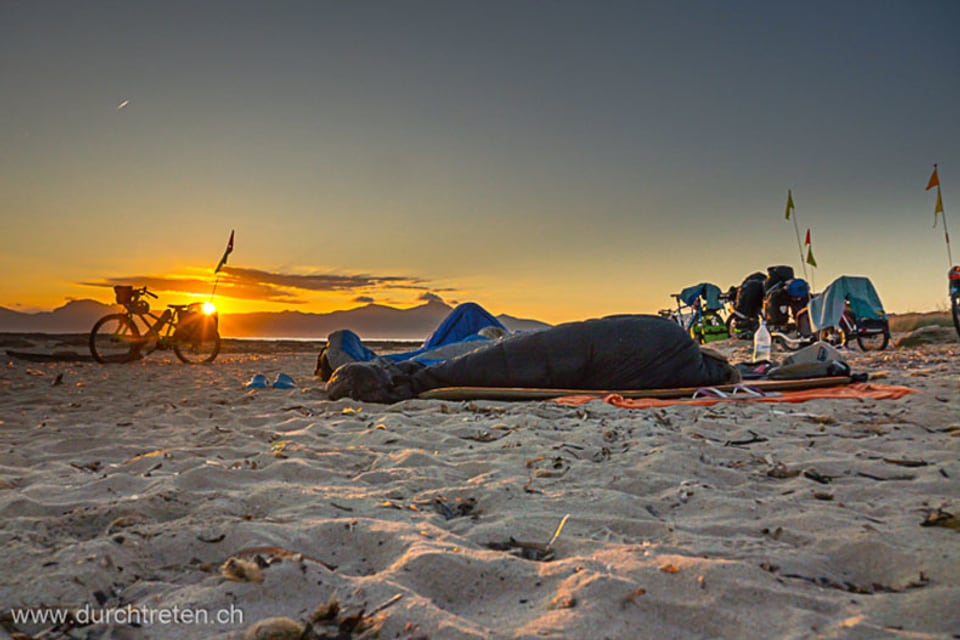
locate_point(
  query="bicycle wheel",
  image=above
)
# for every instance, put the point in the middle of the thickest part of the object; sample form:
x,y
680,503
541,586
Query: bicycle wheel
x,y
114,339
198,349
873,341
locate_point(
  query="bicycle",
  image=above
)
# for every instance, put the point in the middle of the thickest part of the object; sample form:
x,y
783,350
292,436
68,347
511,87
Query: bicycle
x,y
191,330
698,318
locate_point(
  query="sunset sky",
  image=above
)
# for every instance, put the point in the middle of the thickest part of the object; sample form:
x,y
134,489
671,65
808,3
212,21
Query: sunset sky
x,y
547,159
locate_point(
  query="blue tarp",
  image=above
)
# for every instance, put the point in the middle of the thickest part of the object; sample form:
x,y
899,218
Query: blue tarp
x,y
827,308
710,292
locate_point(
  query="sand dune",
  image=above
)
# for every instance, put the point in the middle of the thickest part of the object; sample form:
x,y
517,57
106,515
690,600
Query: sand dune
x,y
133,485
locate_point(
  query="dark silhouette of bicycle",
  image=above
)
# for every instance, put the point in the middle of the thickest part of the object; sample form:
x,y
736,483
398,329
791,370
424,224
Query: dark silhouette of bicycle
x,y
189,329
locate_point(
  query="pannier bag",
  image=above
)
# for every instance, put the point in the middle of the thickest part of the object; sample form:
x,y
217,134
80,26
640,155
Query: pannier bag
x,y
749,302
776,276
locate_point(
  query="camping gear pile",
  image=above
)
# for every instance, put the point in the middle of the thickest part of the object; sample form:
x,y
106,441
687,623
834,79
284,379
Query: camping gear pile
x,y
849,309
472,353
780,299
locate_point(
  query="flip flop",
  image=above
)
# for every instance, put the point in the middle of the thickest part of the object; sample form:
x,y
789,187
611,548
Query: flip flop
x,y
755,392
709,392
258,381
284,381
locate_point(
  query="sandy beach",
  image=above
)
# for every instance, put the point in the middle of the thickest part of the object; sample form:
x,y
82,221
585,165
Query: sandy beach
x,y
185,505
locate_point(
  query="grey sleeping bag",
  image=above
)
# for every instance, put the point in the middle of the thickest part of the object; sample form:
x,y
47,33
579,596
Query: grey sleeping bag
x,y
617,352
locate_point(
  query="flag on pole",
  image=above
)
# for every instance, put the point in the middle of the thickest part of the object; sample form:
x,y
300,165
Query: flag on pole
x,y
938,208
226,253
935,182
790,203
810,259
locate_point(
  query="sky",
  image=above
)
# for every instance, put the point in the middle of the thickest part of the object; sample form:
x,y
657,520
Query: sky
x,y
546,159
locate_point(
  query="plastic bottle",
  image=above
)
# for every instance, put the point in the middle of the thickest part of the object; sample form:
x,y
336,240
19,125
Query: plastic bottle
x,y
761,343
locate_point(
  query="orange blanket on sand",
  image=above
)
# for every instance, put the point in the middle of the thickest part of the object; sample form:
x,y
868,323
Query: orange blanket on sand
x,y
848,391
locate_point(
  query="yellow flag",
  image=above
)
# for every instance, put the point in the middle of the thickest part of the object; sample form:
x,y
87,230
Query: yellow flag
x,y
810,260
934,179
939,208
789,203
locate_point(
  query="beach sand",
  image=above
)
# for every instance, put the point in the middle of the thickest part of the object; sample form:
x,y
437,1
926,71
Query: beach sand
x,y
124,490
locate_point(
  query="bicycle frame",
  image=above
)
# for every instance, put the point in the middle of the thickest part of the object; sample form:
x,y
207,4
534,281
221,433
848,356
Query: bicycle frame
x,y
686,316
161,328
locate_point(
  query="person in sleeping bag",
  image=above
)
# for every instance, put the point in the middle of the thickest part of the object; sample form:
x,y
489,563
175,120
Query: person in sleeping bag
x,y
612,353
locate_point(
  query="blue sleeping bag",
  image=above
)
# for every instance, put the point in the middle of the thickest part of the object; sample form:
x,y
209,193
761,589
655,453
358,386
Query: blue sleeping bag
x,y
458,333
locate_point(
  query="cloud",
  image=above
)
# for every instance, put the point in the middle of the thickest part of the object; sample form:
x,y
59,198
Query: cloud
x,y
266,286
323,281
430,297
363,299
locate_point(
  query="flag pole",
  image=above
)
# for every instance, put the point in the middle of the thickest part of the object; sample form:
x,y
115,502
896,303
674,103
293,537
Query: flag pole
x,y
946,234
796,229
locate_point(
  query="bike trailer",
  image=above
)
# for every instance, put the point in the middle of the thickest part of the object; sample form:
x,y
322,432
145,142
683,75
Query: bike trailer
x,y
857,292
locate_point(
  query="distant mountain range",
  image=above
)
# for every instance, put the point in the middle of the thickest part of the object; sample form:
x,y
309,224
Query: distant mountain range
x,y
370,322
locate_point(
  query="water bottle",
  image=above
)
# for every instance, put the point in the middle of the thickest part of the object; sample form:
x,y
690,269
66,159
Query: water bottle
x,y
761,343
